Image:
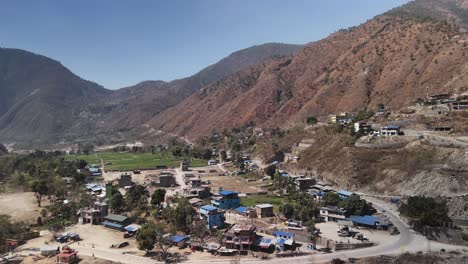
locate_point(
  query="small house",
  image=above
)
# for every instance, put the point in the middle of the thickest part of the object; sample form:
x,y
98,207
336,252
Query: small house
x,y
264,210
362,128
304,183
212,162
459,105
284,240
50,250
117,222
184,165
213,216
344,194
390,131
68,256
246,211
166,180
179,240
226,200
125,180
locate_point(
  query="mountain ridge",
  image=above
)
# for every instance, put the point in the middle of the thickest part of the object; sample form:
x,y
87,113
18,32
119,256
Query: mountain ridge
x,y
390,60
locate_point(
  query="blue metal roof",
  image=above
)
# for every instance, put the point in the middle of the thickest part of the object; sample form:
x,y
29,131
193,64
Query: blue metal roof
x,y
368,220
281,233
209,208
392,127
345,193
241,209
107,223
227,192
178,238
280,241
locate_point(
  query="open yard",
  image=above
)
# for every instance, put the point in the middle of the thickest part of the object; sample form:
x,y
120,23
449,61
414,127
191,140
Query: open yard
x,y
235,183
132,161
251,201
11,202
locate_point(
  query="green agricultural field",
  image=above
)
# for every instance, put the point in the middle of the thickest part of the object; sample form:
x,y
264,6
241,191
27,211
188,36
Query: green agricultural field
x,y
251,201
133,161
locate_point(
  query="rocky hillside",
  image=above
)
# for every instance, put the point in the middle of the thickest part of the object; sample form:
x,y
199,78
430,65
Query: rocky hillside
x,y
392,59
454,12
128,108
39,98
3,150
42,101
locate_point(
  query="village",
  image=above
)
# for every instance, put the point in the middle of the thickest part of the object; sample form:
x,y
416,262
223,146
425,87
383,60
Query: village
x,y
229,208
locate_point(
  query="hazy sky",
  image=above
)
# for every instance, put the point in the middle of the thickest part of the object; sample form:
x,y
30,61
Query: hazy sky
x,y
119,43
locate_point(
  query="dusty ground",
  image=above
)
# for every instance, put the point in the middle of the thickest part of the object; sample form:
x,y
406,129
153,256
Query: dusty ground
x,y
329,230
26,201
437,258
93,236
83,260
234,183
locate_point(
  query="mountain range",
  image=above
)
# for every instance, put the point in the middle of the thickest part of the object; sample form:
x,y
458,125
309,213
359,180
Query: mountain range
x,y
42,101
392,59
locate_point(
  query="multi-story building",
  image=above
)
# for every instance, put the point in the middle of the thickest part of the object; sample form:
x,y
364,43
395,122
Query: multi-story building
x,y
213,216
240,237
226,200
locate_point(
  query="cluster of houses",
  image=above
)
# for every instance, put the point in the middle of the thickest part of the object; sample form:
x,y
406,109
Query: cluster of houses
x,y
92,170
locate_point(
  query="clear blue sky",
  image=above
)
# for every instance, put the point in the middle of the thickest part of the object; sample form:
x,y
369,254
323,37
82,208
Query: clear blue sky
x,y
119,43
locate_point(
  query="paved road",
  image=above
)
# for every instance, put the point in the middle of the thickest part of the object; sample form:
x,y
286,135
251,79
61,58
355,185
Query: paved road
x,y
409,241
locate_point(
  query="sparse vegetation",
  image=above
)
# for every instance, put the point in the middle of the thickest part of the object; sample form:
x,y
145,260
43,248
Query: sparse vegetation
x,y
424,210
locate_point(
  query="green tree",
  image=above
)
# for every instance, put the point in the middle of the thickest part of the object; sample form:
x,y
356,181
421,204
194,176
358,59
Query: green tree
x,y
223,156
354,205
157,198
424,210
270,170
199,231
287,210
137,197
311,120
331,199
117,202
181,216
146,237
41,188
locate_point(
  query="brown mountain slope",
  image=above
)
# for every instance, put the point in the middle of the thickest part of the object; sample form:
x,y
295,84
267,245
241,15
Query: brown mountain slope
x,y
42,101
39,98
128,108
390,60
454,12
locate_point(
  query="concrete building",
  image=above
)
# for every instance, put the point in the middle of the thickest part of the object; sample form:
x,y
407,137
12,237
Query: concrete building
x,y
332,213
264,210
125,180
213,216
166,179
240,237
93,215
117,222
304,183
226,200
390,131
184,165
362,127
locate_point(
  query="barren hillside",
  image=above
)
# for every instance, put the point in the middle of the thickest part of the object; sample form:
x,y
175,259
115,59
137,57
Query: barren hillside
x,y
390,60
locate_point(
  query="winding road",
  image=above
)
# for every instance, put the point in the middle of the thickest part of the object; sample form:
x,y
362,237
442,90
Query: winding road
x,y
409,241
